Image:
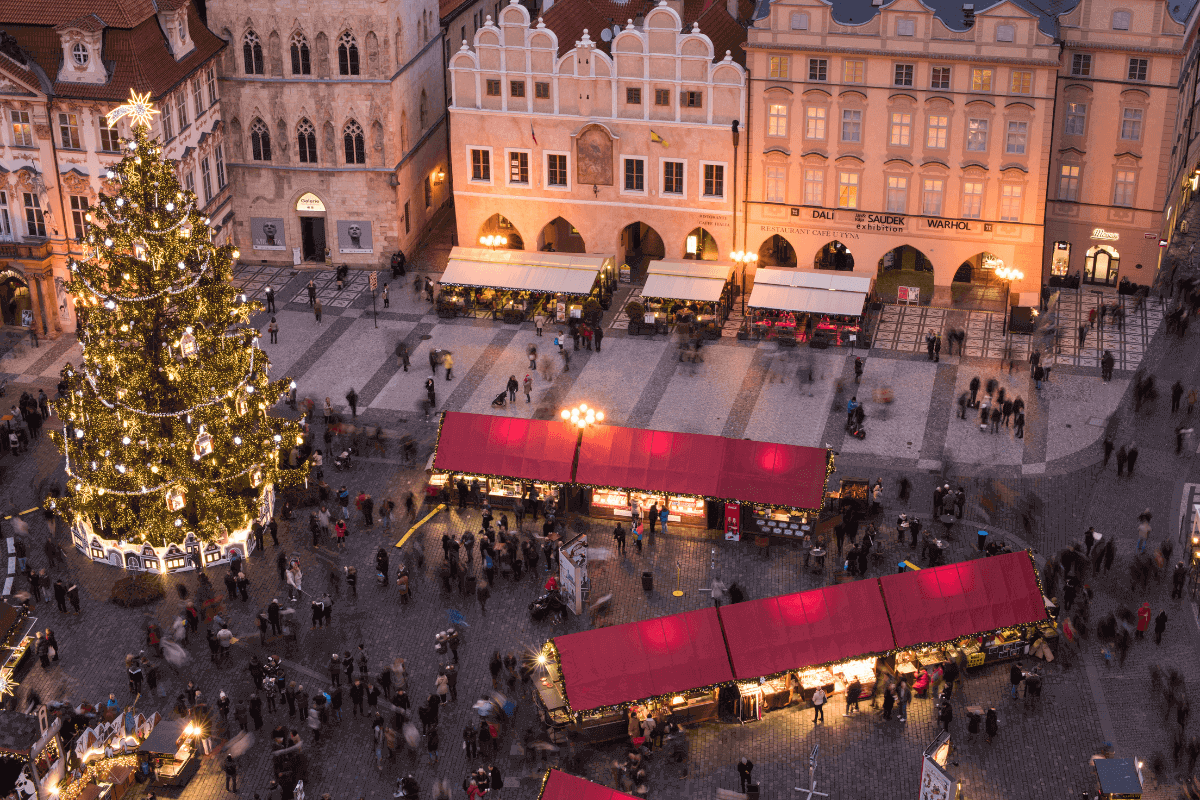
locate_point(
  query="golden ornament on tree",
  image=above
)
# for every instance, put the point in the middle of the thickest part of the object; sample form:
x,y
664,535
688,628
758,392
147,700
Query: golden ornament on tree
x,y
203,445
176,499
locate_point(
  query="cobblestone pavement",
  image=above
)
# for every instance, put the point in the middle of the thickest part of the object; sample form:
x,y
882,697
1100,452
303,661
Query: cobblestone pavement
x,y
1041,492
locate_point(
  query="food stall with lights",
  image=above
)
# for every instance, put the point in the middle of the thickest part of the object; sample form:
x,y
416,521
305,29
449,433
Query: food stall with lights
x,y
509,456
697,293
172,752
696,475
16,646
1118,778
514,285
31,761
815,306
673,663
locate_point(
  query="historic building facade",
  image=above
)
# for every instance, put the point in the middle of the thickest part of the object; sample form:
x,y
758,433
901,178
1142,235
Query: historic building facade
x,y
618,144
336,127
63,67
912,137
1110,167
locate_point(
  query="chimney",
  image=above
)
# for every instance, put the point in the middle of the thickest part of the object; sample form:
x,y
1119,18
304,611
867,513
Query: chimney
x,y
968,10
731,6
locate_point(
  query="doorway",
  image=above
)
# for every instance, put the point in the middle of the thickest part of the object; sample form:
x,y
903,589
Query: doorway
x,y
312,238
14,297
1102,265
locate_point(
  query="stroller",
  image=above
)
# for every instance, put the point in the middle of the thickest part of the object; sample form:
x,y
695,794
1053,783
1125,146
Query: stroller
x,y
501,400
342,462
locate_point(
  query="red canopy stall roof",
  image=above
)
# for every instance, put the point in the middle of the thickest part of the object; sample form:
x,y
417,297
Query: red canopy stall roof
x,y
945,603
528,449
559,785
795,631
625,663
702,465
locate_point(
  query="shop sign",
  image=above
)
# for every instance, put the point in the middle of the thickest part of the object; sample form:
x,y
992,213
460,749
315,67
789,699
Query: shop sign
x,y
714,221
949,224
625,276
824,233
880,223
1148,235
309,202
936,784
908,294
1105,236
733,521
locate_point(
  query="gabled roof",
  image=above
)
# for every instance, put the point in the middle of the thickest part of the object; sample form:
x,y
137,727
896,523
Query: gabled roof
x,y
89,23
570,18
18,64
114,13
136,58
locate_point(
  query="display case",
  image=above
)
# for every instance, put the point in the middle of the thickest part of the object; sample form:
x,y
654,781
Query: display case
x,y
617,504
768,521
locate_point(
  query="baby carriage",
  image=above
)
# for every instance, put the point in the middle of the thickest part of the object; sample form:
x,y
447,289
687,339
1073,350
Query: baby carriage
x,y
501,400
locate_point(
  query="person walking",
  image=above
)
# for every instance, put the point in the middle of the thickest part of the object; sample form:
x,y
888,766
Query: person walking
x,y
889,700
598,336
1143,620
273,329
991,725
527,385
312,292
1176,396
230,768
946,715
402,354
1131,456
316,304
270,295
745,769
482,593
512,386
903,698
1160,625
1015,676
619,537
818,700
448,363
352,401
386,301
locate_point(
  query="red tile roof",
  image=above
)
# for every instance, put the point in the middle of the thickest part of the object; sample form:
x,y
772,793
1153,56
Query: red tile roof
x,y
115,13
89,23
138,58
25,70
569,18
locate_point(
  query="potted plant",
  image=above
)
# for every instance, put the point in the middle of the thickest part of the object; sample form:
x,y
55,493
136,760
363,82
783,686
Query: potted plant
x,y
637,314
592,311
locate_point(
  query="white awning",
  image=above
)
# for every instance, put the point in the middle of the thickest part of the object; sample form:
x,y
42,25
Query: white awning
x,y
521,270
814,279
807,301
700,281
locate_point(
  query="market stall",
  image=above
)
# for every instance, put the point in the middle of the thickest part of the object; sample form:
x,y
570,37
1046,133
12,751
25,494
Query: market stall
x,y
559,785
171,752
974,612
697,293
510,457
814,306
695,474
515,285
672,663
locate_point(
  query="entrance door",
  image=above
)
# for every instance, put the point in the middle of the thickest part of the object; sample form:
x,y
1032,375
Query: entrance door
x,y
1103,266
312,237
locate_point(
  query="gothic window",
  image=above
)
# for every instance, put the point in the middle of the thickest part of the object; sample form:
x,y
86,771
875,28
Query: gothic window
x,y
347,54
352,137
306,142
252,53
260,141
301,62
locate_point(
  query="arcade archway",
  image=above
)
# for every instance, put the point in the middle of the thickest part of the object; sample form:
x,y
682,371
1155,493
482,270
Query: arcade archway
x,y
777,252
834,255
976,285
560,236
641,244
700,245
499,225
901,270
14,297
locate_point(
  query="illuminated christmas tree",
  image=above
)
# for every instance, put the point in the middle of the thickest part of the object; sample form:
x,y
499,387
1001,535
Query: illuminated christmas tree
x,y
166,429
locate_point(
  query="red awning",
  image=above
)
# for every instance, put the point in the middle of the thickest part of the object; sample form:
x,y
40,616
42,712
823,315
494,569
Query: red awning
x,y
561,786
698,464
650,461
773,474
625,663
806,629
528,449
977,596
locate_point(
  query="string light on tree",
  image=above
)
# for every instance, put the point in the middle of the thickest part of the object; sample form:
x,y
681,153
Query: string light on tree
x,y
160,441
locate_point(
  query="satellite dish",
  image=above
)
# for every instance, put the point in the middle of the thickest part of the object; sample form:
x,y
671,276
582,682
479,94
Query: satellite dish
x,y
606,35
616,29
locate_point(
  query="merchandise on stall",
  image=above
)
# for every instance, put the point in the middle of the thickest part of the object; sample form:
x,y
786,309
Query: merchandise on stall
x,y
804,305
171,753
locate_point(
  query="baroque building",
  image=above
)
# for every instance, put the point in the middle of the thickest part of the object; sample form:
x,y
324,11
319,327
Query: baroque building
x,y
579,132
337,126
63,67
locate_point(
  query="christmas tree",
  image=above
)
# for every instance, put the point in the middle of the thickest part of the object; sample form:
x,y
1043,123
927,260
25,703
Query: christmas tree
x,y
166,424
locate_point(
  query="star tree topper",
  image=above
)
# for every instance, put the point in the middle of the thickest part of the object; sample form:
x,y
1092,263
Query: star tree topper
x,y
139,109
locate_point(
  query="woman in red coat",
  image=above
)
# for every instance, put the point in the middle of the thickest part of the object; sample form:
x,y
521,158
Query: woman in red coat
x,y
1143,619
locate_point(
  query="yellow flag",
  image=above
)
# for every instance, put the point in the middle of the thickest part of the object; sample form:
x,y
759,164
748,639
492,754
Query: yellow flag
x,y
654,137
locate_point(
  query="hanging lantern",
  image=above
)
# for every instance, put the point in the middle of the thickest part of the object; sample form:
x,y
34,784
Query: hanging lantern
x,y
241,404
139,249
187,344
256,476
203,445
176,499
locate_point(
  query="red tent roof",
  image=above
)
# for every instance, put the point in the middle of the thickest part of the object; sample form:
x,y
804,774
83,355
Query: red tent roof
x,y
528,449
660,461
561,786
773,474
944,603
805,629
698,464
624,663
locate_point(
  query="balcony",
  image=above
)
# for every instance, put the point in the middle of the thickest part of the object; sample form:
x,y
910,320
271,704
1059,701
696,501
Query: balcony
x,y
26,251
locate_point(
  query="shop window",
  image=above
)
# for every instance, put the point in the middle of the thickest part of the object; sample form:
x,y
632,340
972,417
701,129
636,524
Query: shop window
x,y
1060,259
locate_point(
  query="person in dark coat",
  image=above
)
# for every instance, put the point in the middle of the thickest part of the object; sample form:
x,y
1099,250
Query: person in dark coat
x,y
745,768
991,725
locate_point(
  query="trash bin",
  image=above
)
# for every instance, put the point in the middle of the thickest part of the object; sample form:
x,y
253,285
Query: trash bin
x,y
648,581
752,792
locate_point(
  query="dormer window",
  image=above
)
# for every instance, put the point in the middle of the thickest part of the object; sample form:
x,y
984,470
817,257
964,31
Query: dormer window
x,y
79,53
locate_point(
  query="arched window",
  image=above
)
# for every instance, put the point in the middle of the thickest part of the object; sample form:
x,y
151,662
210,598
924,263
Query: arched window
x,y
301,63
252,53
306,142
423,109
356,149
347,54
260,141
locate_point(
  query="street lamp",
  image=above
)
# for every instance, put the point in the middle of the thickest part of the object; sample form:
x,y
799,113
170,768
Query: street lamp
x,y
582,416
493,241
745,258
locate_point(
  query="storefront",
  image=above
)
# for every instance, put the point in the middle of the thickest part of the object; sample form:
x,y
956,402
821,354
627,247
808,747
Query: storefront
x,y
511,458
516,285
672,664
696,475
796,306
171,752
695,293
1100,254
